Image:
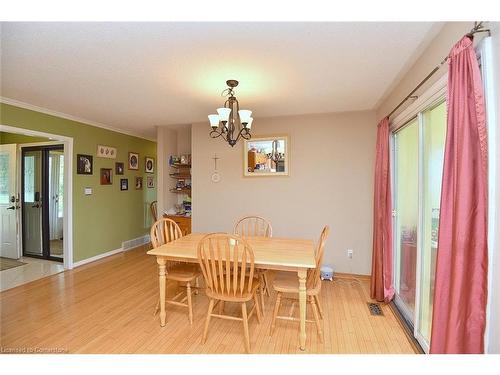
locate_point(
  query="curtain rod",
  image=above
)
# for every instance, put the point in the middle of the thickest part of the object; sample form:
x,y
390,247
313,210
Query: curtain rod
x,y
478,28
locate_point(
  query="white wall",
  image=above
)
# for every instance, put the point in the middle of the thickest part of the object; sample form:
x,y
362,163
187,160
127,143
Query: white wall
x,y
331,182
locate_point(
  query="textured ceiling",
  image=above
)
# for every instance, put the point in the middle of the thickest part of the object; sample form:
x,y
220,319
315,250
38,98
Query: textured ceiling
x,y
134,76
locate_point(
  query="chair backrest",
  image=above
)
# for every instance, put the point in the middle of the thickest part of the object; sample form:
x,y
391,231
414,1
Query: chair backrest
x,y
313,274
153,207
253,226
164,231
227,264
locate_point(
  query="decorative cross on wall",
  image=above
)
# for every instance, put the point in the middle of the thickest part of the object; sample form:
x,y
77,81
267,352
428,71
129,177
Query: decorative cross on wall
x,y
215,161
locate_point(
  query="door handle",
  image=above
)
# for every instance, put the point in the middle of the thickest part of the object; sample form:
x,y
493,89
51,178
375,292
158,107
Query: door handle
x,y
35,205
11,208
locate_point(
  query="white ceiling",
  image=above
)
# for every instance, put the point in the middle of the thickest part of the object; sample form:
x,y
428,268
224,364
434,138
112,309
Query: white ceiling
x,y
135,76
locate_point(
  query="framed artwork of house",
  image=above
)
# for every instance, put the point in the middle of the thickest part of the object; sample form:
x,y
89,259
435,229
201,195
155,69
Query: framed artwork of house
x,y
266,156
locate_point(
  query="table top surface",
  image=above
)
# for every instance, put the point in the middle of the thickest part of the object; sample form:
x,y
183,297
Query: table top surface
x,y
273,253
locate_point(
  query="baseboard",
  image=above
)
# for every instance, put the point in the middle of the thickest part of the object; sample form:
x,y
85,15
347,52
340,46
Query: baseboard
x,y
126,246
97,257
351,275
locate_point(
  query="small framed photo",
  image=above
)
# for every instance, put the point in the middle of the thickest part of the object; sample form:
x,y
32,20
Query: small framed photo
x,y
106,176
138,183
149,165
133,161
150,181
83,164
119,167
123,184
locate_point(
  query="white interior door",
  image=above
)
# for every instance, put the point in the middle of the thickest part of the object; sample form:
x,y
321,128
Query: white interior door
x,y
8,204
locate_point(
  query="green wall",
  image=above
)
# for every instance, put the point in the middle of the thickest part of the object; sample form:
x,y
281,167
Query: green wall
x,y
6,138
103,220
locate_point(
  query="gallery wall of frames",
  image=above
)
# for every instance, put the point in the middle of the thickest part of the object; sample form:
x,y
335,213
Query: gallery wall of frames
x,y
138,168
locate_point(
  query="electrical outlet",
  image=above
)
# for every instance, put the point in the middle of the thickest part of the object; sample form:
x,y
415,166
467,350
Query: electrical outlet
x,y
349,253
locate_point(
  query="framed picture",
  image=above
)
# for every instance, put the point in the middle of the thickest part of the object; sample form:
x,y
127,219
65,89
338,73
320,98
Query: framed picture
x,y
106,152
138,183
149,165
150,181
83,164
266,156
133,161
119,168
123,183
106,176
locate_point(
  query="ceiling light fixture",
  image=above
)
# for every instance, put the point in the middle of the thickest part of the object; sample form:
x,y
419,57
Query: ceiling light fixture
x,y
231,122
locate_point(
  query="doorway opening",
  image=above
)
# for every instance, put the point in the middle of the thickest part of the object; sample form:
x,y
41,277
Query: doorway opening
x,y
18,263
42,197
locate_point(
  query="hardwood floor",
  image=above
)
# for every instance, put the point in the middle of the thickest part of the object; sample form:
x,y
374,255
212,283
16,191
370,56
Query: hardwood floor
x,y
107,307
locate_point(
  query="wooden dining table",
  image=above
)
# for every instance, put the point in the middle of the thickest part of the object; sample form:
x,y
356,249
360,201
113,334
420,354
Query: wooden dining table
x,y
281,254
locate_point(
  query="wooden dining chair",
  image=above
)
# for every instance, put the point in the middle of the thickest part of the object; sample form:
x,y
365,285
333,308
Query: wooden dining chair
x,y
164,231
154,210
227,265
286,283
256,226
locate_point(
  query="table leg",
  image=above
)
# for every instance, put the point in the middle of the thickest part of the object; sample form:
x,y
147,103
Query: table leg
x,y
163,283
302,303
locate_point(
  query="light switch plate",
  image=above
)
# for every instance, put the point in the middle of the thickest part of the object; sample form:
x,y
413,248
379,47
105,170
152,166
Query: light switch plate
x,y
87,191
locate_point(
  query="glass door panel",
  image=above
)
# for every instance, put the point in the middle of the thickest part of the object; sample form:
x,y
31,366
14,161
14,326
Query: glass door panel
x,y
56,188
406,220
434,133
32,202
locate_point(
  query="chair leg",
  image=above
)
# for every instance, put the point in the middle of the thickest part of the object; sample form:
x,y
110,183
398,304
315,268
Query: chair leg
x,y
190,303
245,326
320,309
157,308
257,307
266,285
261,292
197,285
275,313
207,321
316,318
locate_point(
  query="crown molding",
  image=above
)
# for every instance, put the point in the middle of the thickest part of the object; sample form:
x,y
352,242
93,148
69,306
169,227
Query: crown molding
x,y
66,116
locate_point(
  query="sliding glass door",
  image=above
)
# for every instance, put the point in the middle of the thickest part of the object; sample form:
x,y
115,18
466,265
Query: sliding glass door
x,y
418,152
406,218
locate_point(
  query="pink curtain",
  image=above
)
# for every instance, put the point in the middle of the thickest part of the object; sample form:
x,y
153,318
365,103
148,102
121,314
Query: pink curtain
x,y
461,273
381,287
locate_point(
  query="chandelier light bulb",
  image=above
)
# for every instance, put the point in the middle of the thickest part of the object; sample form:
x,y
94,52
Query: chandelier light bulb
x,y
249,123
245,115
224,114
214,120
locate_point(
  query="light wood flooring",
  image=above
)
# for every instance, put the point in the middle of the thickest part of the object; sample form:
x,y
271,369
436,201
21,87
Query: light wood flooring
x,y
107,307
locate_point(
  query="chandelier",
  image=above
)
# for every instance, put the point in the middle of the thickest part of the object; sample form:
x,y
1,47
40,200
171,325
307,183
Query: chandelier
x,y
231,122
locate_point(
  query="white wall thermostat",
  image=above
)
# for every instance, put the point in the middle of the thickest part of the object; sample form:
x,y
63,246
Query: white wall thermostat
x,y
87,191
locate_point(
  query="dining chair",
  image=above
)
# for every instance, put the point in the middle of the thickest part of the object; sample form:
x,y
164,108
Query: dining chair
x,y
164,231
286,283
256,226
227,265
154,210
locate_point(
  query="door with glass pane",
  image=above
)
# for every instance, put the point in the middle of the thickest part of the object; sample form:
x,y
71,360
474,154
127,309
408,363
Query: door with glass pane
x,y
32,204
42,201
418,166
406,217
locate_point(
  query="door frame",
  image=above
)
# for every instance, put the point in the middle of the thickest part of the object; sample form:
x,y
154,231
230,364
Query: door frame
x,y
68,185
43,147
